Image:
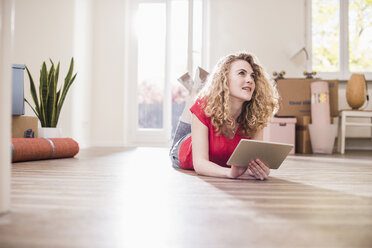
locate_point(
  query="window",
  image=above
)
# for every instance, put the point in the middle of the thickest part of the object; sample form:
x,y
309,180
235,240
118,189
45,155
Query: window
x,y
340,37
150,29
166,41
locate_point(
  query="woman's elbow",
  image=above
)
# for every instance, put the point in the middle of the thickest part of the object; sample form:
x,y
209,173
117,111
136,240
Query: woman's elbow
x,y
198,166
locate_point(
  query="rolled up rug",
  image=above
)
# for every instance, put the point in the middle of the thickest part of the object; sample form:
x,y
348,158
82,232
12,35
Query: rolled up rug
x,y
26,149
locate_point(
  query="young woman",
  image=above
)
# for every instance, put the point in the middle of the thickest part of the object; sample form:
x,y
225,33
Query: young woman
x,y
236,103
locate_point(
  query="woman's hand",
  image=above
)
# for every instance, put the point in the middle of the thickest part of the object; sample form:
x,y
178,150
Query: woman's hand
x,y
236,171
258,169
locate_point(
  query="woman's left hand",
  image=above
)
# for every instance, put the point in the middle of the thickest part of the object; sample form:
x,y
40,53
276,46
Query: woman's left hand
x,y
258,169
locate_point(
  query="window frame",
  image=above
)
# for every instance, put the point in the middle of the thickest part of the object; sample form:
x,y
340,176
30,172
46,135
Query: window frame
x,y
136,136
344,73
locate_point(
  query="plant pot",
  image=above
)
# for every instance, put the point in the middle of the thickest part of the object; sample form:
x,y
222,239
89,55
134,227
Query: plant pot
x,y
50,132
322,137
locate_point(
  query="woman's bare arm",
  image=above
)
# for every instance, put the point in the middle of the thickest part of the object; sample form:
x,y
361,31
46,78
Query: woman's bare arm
x,y
200,153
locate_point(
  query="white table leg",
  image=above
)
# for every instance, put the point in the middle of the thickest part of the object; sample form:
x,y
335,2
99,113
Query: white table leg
x,y
339,135
343,131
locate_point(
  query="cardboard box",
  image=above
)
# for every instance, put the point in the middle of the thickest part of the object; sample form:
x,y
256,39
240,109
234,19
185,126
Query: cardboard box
x,y
281,130
303,143
24,126
296,96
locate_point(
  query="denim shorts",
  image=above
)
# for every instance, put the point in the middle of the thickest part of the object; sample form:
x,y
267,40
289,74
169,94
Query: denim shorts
x,y
183,131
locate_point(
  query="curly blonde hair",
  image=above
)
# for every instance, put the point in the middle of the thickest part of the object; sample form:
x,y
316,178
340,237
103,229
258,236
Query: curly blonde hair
x,y
255,113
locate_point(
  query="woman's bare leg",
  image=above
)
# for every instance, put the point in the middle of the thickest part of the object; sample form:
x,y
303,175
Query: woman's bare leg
x,y
193,88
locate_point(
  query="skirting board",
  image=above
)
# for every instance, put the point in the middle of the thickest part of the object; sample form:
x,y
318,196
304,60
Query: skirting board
x,y
107,144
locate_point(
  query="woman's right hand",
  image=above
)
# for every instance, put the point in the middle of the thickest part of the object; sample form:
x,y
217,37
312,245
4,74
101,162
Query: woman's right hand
x,y
258,169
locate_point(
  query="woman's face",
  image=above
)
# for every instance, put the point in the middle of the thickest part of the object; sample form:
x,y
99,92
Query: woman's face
x,y
241,81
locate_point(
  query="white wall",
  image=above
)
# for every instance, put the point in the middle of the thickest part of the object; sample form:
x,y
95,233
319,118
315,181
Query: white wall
x,y
108,73
6,49
265,28
81,95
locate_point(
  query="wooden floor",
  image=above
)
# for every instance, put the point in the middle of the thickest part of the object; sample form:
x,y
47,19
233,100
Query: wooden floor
x,y
133,198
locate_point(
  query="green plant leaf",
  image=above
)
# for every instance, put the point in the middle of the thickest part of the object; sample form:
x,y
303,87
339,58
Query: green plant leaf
x,y
56,75
66,86
33,93
51,98
64,93
32,108
43,88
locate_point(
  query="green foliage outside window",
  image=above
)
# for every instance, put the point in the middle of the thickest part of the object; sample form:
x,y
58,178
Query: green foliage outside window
x,y
326,35
360,35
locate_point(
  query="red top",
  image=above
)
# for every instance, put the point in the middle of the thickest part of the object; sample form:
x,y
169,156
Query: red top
x,y
220,147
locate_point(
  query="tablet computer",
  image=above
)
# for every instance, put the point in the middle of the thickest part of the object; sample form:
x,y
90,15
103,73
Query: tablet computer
x,y
271,153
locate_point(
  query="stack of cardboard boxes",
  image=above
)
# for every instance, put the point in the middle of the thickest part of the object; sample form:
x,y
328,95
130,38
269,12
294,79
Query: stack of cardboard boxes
x,y
296,102
281,130
22,126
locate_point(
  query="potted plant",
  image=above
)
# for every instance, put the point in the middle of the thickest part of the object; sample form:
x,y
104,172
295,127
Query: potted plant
x,y
50,101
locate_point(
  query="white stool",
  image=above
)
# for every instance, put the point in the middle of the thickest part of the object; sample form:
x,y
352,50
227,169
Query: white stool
x,y
342,124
